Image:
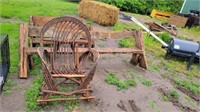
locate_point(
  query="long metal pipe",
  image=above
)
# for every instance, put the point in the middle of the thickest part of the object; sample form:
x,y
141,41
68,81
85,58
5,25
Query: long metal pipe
x,y
151,33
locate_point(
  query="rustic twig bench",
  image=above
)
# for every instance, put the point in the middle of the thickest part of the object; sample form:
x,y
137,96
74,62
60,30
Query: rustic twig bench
x,y
28,46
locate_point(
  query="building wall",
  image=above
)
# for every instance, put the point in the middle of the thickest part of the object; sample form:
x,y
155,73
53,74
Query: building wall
x,y
190,5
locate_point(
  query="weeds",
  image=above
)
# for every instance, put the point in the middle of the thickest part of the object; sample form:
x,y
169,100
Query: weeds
x,y
195,30
8,86
127,42
122,26
153,105
143,80
89,22
111,78
32,95
166,75
174,94
165,36
193,86
154,67
37,66
165,98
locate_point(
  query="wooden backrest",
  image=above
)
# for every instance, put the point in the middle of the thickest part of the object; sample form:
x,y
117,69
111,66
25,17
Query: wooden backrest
x,y
39,20
65,34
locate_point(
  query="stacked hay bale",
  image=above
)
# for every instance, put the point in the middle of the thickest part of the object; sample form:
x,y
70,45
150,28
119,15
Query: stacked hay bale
x,y
98,12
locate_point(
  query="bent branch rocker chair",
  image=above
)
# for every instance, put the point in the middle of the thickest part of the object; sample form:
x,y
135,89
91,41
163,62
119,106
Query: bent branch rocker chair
x,y
69,63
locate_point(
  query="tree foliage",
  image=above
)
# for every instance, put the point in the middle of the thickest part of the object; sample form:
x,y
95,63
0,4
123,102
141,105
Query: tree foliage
x,y
146,6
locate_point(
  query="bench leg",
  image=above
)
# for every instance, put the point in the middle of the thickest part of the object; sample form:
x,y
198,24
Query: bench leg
x,y
139,59
135,59
23,57
23,65
30,62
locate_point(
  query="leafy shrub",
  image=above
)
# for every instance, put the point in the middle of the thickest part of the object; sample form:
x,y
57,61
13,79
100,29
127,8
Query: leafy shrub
x,y
146,6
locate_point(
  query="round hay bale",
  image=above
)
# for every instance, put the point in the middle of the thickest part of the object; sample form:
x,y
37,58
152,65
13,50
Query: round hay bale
x,y
98,12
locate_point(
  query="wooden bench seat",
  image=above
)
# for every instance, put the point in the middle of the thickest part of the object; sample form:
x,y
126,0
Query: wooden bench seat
x,y
33,50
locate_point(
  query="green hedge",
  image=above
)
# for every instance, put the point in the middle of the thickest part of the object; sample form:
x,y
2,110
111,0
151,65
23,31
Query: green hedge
x,y
146,6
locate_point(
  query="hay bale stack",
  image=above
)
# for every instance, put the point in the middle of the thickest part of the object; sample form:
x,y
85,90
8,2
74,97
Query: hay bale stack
x,y
98,12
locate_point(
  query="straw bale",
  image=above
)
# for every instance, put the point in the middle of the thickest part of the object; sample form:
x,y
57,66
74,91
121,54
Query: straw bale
x,y
98,12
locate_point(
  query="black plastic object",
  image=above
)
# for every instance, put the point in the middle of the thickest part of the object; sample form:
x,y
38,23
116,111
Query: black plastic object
x,y
4,59
183,48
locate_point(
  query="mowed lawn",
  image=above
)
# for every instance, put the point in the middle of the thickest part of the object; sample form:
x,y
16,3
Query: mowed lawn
x,y
20,10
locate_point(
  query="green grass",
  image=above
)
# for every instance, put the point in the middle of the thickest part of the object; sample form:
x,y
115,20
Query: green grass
x,y
127,42
122,26
174,94
32,95
111,78
193,86
165,36
22,9
7,89
143,80
165,98
154,67
89,22
12,29
153,105
195,30
36,70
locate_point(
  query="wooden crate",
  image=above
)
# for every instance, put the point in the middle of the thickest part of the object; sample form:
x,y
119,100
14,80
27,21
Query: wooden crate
x,y
178,20
160,14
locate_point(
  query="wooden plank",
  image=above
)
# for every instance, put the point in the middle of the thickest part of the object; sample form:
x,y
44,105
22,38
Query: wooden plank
x,y
178,20
67,75
66,93
49,41
100,50
97,34
67,99
171,32
23,44
160,27
40,20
